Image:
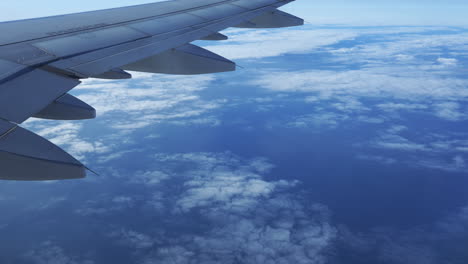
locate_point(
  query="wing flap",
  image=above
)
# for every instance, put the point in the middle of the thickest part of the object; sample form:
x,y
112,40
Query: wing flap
x,y
25,156
27,94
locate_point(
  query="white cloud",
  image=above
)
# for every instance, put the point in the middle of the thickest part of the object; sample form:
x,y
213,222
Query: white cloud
x,y
434,151
67,135
365,83
146,100
390,107
397,142
153,92
219,180
282,231
398,69
449,111
270,43
157,98
249,219
447,61
405,48
149,177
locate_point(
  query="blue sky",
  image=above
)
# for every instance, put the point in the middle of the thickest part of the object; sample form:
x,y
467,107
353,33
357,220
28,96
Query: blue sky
x,y
358,12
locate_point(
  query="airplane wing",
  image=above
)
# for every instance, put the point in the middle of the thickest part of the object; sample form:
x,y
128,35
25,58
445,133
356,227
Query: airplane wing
x,y
41,60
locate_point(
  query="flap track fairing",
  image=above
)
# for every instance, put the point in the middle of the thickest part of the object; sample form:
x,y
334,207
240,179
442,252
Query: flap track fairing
x,y
67,107
185,60
215,37
273,19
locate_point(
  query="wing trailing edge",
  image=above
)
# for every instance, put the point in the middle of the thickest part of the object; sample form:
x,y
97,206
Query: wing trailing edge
x,y
25,156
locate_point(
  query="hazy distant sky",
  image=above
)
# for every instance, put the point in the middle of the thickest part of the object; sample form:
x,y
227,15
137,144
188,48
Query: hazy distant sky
x,y
367,12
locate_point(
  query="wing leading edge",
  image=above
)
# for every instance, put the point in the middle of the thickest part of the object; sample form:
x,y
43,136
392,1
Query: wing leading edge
x,y
41,60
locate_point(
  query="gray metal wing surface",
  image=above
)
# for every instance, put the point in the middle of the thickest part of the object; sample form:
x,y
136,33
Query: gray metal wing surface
x,y
41,60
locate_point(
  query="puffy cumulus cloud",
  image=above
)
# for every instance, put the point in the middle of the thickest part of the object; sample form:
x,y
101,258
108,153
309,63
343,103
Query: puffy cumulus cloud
x,y
149,99
142,94
223,180
282,232
229,190
246,218
276,230
149,178
50,253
